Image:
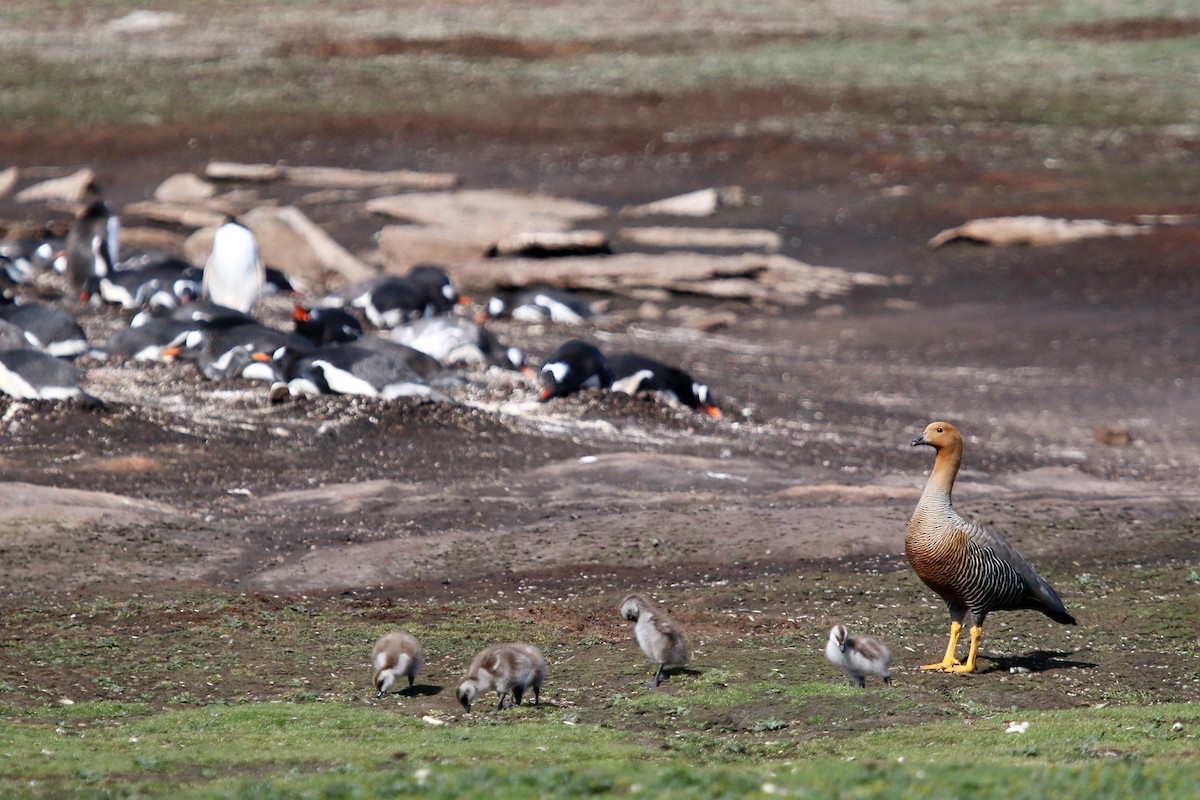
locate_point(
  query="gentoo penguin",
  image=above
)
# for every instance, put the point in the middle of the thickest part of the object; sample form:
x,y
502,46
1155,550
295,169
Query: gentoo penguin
x,y
324,325
858,656
506,669
234,273
541,304
633,373
201,314
974,570
390,301
156,280
457,341
395,654
369,367
30,374
23,258
573,366
157,339
240,351
660,638
440,294
50,329
92,247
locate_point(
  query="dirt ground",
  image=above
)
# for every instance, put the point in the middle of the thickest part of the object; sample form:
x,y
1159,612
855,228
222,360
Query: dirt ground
x,y
179,482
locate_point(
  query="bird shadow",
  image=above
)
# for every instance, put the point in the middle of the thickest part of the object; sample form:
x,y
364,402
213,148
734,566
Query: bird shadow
x,y
420,690
1038,661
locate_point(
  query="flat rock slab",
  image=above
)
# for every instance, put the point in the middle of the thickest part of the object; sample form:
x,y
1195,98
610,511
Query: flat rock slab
x,y
184,188
8,179
1034,231
714,238
769,278
499,208
700,203
26,502
330,177
68,189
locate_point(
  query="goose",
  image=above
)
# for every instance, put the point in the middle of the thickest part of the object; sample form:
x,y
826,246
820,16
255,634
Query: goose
x,y
974,570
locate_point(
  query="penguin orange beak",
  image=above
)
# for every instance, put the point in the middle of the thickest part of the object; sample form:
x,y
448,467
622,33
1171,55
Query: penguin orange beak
x,y
545,395
711,410
300,314
171,352
261,358
463,300
528,372
481,317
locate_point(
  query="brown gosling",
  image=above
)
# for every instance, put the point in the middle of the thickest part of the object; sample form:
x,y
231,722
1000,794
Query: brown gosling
x,y
973,569
858,656
395,654
505,668
660,638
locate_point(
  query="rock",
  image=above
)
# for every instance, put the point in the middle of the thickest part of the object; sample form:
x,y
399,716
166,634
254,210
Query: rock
x,y
135,238
1034,231
551,244
1102,434
70,188
143,21
515,211
402,247
714,238
230,171
183,188
27,502
332,177
8,179
185,214
701,203
759,278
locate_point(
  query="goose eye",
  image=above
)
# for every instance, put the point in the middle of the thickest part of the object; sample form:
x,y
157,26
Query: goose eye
x,y
939,430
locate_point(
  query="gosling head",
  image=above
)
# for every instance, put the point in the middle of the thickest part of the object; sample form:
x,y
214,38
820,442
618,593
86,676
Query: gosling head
x,y
466,694
384,679
631,607
938,435
838,635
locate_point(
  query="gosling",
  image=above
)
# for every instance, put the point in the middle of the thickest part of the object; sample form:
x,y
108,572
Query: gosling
x,y
507,669
660,638
858,656
395,654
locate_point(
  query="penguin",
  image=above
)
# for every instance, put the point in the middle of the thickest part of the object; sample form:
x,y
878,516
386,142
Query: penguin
x,y
92,245
505,669
234,274
200,314
391,300
158,339
159,280
633,373
322,326
240,351
573,366
540,304
48,328
368,367
858,656
458,341
30,374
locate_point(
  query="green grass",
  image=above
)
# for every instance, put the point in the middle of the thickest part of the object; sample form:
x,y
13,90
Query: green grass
x,y
343,750
933,79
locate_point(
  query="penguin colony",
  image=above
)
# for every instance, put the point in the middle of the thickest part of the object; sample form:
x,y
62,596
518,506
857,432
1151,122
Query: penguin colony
x,y
386,337
204,314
